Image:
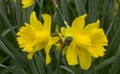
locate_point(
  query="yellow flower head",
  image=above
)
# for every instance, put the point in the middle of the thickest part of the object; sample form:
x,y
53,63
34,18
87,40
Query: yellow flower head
x,y
27,3
87,42
35,36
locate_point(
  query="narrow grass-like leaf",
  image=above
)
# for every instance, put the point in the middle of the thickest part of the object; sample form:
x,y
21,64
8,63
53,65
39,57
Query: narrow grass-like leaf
x,y
5,59
80,7
26,14
102,64
39,63
64,8
5,49
110,27
33,67
104,12
113,40
115,67
10,69
19,58
5,32
93,10
18,13
67,69
7,22
105,63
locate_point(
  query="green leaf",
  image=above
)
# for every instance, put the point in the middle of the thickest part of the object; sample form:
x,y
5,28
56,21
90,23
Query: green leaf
x,y
80,7
5,49
14,71
115,67
4,17
67,69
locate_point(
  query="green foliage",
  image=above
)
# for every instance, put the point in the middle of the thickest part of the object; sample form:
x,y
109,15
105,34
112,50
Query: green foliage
x,y
12,17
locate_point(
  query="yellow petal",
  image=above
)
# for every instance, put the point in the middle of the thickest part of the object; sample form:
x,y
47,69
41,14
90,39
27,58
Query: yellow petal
x,y
53,40
57,29
85,59
63,29
47,50
36,48
64,50
47,22
66,24
48,59
67,31
27,3
88,29
58,46
35,22
72,55
79,23
30,55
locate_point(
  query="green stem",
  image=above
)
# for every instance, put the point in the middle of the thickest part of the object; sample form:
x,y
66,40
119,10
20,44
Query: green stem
x,y
94,68
58,9
59,63
60,58
37,1
82,72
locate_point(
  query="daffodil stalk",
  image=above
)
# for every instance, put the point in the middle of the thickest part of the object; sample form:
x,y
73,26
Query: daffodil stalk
x,y
61,40
94,68
37,1
58,9
60,59
63,44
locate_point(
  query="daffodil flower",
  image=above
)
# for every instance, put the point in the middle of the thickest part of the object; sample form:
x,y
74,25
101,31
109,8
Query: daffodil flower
x,y
27,3
87,42
35,36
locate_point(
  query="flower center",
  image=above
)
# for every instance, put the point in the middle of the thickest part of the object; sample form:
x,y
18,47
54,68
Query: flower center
x,y
41,37
82,41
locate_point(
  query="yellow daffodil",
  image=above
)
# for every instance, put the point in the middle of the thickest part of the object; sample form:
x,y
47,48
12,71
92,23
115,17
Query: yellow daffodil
x,y
35,36
27,3
87,42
